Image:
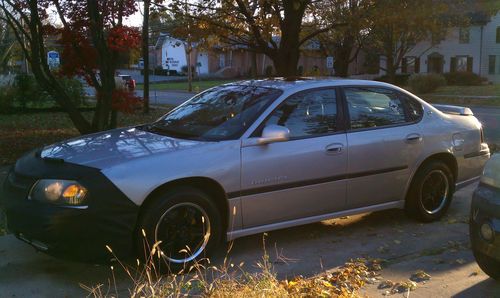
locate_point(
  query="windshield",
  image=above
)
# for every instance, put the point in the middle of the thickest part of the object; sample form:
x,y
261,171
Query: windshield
x,y
221,113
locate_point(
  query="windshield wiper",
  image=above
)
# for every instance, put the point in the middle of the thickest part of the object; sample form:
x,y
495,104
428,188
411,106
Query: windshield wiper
x,y
159,129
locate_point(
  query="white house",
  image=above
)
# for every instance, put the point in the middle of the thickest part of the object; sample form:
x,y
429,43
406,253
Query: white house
x,y
474,49
228,60
171,55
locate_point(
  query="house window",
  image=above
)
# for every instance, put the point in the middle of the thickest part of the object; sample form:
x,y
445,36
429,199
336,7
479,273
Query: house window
x,y
461,64
437,37
464,35
492,64
222,60
411,65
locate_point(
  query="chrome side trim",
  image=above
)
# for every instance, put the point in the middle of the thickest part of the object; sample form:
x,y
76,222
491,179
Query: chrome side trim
x,y
465,183
35,243
231,235
74,207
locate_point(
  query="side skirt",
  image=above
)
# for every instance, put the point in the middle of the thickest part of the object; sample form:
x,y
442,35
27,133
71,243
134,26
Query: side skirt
x,y
465,183
231,235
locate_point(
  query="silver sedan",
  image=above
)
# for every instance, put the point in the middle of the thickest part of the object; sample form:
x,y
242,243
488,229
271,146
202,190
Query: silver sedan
x,y
245,158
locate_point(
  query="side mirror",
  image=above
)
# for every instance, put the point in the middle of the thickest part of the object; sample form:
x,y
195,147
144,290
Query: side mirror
x,y
274,133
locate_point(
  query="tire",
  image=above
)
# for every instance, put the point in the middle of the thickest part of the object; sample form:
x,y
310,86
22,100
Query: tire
x,y
191,217
489,265
431,192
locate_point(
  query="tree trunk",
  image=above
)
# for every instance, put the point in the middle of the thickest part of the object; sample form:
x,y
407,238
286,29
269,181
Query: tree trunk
x,y
390,68
341,63
106,62
286,62
286,57
342,53
145,54
189,70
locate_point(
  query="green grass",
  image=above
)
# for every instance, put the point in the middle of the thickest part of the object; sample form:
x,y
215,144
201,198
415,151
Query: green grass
x,y
485,90
460,101
24,132
183,86
464,95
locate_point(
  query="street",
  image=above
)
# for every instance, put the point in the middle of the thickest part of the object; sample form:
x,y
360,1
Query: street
x,y
490,117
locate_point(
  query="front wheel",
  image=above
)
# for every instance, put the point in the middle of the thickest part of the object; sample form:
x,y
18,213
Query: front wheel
x,y
489,265
185,225
431,192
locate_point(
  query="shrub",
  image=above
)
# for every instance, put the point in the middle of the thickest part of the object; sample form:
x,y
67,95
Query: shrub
x,y
464,79
74,88
26,89
7,95
159,71
426,83
400,79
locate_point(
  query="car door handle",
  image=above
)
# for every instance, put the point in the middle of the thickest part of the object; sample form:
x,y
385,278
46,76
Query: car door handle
x,y
334,148
414,137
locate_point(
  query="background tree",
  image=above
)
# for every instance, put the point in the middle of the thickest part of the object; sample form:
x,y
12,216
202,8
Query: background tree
x,y
92,35
7,45
192,32
344,43
255,24
396,26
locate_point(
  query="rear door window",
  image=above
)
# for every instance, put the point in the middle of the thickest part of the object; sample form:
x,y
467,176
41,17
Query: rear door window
x,y
374,107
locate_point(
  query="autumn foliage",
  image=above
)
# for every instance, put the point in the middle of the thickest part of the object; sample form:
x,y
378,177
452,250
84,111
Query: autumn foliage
x,y
80,54
92,36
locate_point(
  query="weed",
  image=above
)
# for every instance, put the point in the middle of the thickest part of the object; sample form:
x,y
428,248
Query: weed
x,y
203,279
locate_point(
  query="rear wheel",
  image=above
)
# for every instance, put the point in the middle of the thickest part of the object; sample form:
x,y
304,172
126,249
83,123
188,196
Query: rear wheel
x,y
431,192
184,224
489,265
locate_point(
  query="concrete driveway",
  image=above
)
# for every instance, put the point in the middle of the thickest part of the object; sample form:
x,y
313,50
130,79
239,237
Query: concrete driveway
x,y
441,249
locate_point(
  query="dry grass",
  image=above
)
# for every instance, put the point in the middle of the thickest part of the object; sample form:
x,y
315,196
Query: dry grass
x,y
229,280
20,133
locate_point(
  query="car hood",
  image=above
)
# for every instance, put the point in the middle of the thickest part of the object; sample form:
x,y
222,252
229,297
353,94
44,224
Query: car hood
x,y
105,149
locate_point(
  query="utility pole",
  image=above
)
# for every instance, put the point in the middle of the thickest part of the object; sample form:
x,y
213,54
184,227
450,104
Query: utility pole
x,y
145,54
189,49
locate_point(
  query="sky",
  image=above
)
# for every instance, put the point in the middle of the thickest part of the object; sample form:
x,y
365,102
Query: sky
x,y
135,20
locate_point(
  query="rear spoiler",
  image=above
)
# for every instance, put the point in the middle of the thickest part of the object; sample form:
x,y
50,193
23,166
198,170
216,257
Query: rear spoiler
x,y
454,110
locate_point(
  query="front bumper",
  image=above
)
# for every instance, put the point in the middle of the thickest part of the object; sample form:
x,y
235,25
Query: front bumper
x,y
485,209
109,217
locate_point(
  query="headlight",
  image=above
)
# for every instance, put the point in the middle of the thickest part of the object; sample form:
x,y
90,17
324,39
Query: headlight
x,y
58,192
491,175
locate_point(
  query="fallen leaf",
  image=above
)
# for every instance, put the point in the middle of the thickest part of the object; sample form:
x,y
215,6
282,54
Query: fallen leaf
x,y
386,284
460,261
420,276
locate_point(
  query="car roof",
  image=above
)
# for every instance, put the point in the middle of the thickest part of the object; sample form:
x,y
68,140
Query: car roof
x,y
304,82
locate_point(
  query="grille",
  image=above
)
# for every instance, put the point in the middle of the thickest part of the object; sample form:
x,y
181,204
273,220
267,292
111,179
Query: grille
x,y
20,182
